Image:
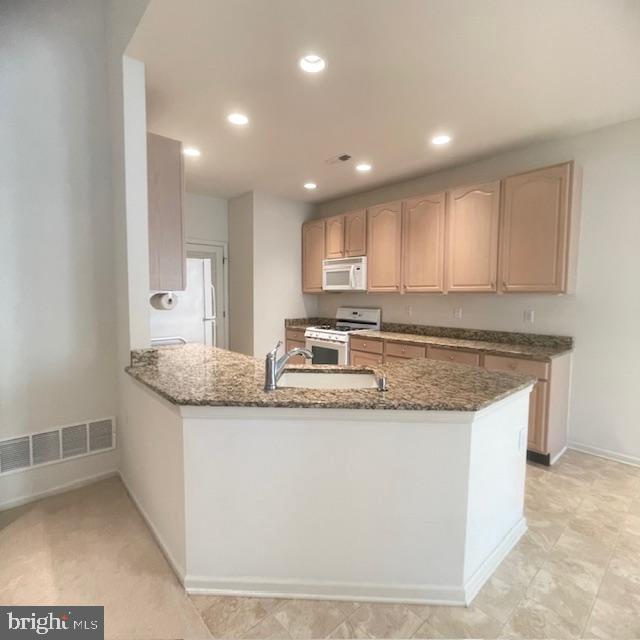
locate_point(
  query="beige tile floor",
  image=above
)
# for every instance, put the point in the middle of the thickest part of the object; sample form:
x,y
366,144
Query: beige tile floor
x,y
576,573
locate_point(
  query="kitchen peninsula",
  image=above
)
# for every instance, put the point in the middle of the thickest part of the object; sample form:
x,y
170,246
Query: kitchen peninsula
x,y
413,494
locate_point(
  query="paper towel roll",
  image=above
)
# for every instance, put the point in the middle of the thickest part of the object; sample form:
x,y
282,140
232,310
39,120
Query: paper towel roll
x,y
164,301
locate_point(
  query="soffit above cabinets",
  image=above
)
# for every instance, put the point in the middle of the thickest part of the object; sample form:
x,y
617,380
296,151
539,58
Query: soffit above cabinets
x,y
495,75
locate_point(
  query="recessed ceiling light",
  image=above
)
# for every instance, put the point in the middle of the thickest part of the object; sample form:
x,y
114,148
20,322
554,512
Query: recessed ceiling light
x,y
191,151
441,138
363,167
310,185
238,118
312,63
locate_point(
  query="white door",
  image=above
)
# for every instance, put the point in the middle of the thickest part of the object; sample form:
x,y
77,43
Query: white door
x,y
216,312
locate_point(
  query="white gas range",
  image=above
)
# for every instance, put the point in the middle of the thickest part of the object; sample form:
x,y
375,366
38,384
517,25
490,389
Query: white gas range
x,y
331,345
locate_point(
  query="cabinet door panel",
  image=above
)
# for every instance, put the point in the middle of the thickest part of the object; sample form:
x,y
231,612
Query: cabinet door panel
x,y
423,233
517,365
452,355
364,359
384,245
537,434
402,350
312,255
355,233
293,344
365,344
165,175
334,237
388,358
535,230
472,237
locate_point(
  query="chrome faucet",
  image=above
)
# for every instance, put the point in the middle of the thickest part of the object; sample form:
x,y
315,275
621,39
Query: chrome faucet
x,y
274,366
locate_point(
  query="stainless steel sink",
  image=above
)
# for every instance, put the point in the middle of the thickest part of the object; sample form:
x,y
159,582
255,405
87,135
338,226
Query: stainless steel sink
x,y
337,380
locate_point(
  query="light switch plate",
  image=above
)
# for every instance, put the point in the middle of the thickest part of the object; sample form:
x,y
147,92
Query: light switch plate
x,y
529,316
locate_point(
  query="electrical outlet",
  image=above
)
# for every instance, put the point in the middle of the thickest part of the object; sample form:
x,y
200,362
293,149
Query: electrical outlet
x,y
409,310
457,313
529,316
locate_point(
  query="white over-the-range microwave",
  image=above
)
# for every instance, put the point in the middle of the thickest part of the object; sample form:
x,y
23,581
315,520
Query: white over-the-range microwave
x,y
344,274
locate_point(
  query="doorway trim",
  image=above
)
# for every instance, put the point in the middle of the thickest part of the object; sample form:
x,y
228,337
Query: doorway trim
x,y
193,244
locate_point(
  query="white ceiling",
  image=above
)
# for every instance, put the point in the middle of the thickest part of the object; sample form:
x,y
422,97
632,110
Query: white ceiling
x,y
494,73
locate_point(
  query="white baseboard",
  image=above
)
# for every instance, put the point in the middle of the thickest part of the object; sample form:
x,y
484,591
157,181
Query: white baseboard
x,y
557,456
605,453
492,562
178,569
325,590
62,488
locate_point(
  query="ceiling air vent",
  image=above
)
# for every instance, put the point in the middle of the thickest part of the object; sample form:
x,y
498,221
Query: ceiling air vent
x,y
343,157
100,435
15,454
45,447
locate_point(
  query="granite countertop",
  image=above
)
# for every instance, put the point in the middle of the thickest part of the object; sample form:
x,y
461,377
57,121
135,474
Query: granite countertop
x,y
506,343
196,374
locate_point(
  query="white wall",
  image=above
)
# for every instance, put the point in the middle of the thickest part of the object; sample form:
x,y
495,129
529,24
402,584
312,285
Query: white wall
x,y
206,218
265,281
277,273
57,275
603,313
241,274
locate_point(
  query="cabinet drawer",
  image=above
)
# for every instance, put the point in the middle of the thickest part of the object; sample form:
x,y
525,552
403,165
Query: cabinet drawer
x,y
404,350
296,333
365,344
363,358
452,355
539,370
389,359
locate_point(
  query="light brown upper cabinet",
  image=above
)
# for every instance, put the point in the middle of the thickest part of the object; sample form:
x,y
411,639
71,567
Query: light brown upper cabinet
x,y
535,230
355,233
334,237
384,246
165,182
312,255
423,238
472,237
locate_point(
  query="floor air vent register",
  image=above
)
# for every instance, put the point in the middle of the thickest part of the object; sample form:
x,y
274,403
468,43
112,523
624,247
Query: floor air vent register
x,y
56,445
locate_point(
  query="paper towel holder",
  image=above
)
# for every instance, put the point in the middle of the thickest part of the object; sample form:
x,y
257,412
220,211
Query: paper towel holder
x,y
164,300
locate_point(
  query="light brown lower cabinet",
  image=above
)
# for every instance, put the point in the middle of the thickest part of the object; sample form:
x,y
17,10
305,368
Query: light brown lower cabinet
x,y
549,401
536,436
548,405
364,358
404,350
388,358
453,355
294,338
